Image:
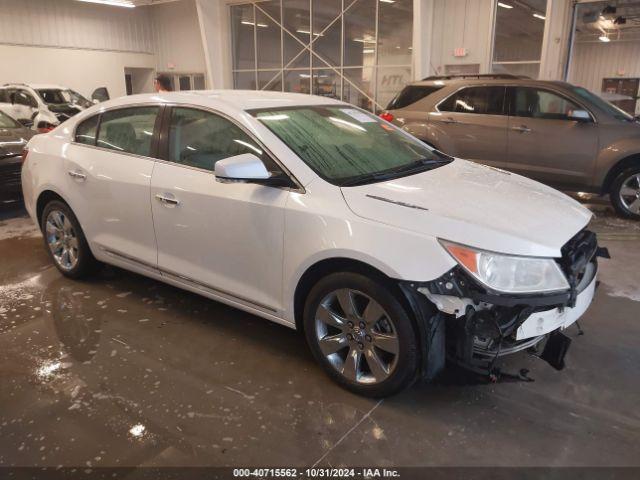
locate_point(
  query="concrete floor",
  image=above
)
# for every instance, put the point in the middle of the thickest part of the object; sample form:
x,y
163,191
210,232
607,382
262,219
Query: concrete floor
x,y
123,371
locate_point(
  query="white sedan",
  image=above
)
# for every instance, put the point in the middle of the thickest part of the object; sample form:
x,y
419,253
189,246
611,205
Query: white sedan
x,y
312,213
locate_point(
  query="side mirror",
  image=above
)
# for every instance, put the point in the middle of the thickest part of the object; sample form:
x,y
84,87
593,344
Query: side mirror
x,y
25,122
101,94
247,168
241,168
579,116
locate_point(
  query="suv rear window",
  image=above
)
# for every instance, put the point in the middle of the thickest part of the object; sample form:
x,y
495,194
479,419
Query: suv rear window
x,y
411,94
480,100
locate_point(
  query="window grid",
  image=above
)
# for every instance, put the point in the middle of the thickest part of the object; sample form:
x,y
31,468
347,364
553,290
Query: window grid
x,y
314,57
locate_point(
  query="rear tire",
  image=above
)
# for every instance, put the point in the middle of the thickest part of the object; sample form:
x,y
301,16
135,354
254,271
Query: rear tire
x,y
625,193
361,334
65,241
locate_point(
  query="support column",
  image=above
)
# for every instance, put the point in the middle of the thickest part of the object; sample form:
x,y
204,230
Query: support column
x,y
422,34
555,46
213,18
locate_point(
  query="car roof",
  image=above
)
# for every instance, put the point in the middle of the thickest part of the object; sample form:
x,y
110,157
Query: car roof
x,y
487,80
239,99
36,86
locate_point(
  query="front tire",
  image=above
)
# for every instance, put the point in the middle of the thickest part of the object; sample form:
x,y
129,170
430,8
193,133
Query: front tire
x,y
361,334
625,193
65,240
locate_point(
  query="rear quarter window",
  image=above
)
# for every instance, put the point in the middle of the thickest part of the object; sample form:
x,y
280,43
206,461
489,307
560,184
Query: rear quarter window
x,y
411,94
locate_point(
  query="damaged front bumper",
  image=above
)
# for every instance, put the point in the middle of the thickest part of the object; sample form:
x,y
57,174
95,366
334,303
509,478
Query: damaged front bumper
x,y
473,326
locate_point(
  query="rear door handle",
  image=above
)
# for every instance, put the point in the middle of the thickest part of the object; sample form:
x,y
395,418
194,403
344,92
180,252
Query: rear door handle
x,y
521,129
168,199
77,175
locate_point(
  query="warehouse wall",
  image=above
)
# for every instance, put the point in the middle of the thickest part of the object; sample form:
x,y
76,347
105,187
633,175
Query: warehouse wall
x,y
593,61
177,37
81,70
60,41
461,23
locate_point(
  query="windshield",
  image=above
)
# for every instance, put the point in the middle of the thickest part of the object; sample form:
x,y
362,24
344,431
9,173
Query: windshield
x,y
7,122
72,96
51,95
347,146
603,104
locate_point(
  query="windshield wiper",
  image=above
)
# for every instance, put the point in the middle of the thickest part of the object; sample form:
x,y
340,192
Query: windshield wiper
x,y
420,165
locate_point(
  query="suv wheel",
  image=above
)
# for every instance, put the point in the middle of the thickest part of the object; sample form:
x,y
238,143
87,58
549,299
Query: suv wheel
x,y
625,193
65,240
361,334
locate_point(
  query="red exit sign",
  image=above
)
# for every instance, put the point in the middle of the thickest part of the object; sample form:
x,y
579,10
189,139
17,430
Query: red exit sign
x,y
460,52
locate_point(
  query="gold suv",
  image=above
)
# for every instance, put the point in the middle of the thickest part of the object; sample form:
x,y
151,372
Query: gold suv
x,y
554,132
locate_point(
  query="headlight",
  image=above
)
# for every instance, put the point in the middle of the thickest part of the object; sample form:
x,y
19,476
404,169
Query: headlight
x,y
509,273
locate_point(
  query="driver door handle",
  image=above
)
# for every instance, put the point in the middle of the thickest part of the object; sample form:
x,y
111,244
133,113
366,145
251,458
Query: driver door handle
x,y
521,129
77,175
168,199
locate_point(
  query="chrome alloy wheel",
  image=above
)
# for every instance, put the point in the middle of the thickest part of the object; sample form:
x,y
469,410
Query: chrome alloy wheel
x,y
357,336
62,239
630,193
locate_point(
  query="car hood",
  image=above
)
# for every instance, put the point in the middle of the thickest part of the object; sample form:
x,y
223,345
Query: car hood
x,y
475,205
13,140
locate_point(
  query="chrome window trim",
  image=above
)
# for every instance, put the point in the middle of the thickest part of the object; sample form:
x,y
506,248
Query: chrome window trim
x,y
111,150
508,85
299,187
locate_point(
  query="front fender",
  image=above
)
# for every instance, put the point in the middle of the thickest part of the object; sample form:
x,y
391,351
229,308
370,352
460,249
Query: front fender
x,y
321,227
611,155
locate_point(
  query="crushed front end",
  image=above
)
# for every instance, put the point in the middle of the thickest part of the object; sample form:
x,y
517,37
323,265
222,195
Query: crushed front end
x,y
474,326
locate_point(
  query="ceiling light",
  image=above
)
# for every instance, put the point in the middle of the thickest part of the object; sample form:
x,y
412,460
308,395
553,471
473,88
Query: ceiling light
x,y
114,3
387,1
307,32
604,38
368,50
504,5
541,17
247,22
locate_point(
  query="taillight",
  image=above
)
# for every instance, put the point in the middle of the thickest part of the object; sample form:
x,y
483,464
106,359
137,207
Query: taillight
x,y
386,116
44,127
25,152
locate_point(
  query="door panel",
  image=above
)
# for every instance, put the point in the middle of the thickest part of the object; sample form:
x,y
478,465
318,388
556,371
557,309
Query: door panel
x,y
482,138
112,200
228,237
544,144
110,185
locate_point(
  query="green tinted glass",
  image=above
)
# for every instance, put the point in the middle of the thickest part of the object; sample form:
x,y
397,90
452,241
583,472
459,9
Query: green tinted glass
x,y
341,142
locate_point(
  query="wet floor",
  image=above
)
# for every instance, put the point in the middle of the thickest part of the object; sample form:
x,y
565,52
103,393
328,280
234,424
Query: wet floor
x,y
123,371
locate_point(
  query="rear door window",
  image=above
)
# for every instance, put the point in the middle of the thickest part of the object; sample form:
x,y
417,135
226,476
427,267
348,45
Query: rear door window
x,y
410,95
128,130
479,100
87,130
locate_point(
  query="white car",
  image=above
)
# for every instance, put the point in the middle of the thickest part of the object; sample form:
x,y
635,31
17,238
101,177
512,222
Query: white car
x,y
42,106
309,212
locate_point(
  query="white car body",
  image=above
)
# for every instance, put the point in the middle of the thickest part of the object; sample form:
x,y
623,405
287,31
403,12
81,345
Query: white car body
x,y
249,245
35,108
